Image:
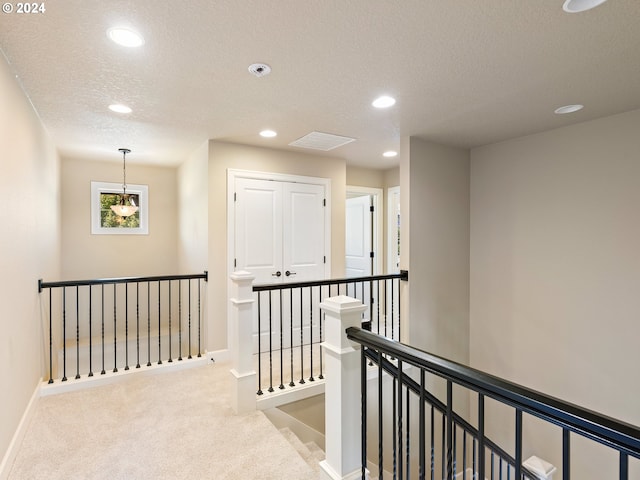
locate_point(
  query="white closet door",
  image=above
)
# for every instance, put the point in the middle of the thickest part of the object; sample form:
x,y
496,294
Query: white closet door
x,y
303,232
258,229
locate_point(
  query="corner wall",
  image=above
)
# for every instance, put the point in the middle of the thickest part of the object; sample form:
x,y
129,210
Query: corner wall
x,y
29,249
555,270
224,156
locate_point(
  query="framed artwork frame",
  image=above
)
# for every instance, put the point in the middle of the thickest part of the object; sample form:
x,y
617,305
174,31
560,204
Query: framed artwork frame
x,y
105,222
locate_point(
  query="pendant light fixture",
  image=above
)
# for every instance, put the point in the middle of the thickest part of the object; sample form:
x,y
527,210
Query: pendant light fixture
x,y
121,209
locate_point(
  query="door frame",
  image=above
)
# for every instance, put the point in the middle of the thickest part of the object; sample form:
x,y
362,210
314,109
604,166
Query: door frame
x,y
232,174
392,231
377,195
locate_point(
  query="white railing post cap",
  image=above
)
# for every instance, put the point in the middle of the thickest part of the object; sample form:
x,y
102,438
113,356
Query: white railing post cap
x,y
543,469
343,304
242,275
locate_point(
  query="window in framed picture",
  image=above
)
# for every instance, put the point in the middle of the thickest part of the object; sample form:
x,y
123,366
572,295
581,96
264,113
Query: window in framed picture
x,y
104,221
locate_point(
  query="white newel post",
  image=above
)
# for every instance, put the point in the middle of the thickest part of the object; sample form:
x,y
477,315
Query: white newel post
x,y
342,390
244,374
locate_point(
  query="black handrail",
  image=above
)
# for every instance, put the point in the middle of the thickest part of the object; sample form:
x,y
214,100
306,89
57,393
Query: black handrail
x,y
403,275
614,433
106,281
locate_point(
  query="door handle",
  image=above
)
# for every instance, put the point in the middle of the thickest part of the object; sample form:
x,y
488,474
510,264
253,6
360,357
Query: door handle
x,y
288,273
277,274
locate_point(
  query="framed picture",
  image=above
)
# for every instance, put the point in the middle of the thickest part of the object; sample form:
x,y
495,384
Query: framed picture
x,y
104,220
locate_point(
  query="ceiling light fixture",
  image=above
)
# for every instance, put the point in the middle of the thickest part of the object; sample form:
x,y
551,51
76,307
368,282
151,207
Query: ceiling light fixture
x,y
390,153
122,209
384,102
125,37
568,109
268,133
577,6
118,108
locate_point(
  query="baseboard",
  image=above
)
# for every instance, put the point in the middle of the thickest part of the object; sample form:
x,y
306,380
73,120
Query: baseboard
x,y
18,436
110,377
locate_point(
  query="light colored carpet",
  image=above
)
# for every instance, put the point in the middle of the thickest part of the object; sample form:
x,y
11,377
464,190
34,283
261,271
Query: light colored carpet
x,y
173,425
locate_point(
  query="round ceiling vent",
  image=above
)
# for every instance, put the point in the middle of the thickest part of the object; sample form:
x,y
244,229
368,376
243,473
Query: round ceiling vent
x,y
259,69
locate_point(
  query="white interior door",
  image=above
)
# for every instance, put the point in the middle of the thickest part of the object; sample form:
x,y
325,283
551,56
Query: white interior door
x,y
258,227
358,248
303,232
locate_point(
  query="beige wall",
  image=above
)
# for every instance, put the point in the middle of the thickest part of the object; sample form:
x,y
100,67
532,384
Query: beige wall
x,y
98,256
555,270
223,156
29,248
193,208
365,177
435,182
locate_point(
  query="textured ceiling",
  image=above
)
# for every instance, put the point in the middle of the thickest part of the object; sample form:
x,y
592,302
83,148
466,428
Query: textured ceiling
x,y
464,72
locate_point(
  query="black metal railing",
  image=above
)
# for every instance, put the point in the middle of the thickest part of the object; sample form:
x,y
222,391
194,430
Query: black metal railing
x,y
447,441
114,322
289,324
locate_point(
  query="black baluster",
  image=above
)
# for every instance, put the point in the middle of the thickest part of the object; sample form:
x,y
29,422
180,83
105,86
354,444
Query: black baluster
x,y
281,386
481,457
394,419
64,334
270,341
50,339
392,317
189,319
170,356
624,466
500,467
474,457
321,319
433,444
259,347
449,430
159,325
115,339
102,323
291,383
464,455
148,324
408,436
77,332
137,324
384,288
378,304
126,326
180,320
399,317
421,432
566,455
301,341
443,463
518,470
455,455
199,321
311,379
492,464
90,335
380,418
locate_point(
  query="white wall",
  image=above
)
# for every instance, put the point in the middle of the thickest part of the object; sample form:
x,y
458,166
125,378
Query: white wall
x,y
193,208
555,271
29,247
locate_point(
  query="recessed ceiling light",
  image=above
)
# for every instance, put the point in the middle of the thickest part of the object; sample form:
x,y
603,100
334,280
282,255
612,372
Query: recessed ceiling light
x,y
125,37
568,109
268,133
577,6
119,108
259,69
384,102
390,153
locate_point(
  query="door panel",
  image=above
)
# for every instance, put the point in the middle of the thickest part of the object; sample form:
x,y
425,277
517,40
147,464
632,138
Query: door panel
x,y
259,229
303,225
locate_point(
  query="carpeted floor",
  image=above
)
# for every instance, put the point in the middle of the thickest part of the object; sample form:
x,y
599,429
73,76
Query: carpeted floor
x,y
174,425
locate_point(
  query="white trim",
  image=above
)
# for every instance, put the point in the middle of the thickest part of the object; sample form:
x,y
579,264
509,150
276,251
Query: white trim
x,y
73,385
18,436
378,201
288,395
392,237
107,187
